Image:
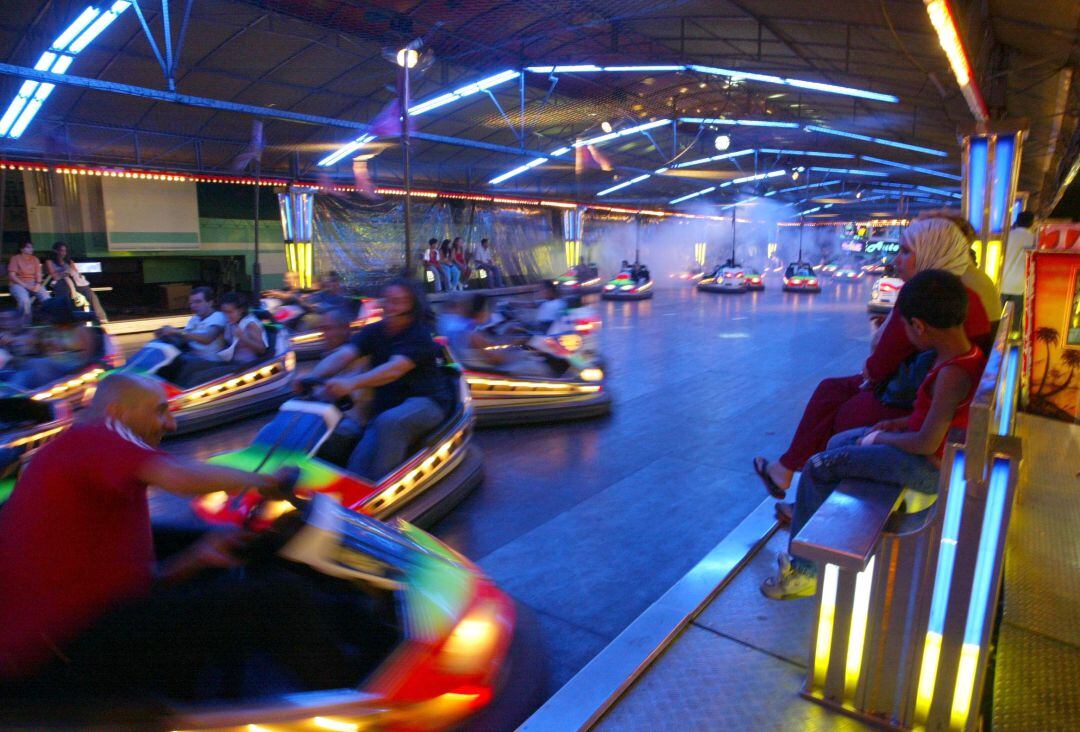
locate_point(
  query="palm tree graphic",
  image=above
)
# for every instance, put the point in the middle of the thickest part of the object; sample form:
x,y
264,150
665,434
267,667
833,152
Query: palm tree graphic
x,y
1048,337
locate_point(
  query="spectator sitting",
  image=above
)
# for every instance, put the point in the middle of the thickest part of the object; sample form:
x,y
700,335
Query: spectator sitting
x,y
432,264
24,278
446,261
66,346
457,255
890,376
482,260
68,280
245,336
904,452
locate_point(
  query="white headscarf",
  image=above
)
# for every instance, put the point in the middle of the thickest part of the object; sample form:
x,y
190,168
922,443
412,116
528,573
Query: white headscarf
x,y
938,244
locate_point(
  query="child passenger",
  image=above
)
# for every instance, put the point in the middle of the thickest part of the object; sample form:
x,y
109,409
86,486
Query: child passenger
x,y
901,452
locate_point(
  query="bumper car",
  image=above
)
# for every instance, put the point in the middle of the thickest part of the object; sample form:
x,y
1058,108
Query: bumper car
x,y
724,279
429,641
628,286
25,425
847,274
224,393
582,280
755,281
883,294
306,340
440,469
693,274
77,387
800,277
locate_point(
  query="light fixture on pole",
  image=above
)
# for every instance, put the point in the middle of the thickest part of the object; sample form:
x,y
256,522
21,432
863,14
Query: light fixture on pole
x,y
407,58
722,142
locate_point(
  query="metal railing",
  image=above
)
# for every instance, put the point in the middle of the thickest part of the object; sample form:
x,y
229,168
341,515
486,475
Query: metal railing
x,y
902,640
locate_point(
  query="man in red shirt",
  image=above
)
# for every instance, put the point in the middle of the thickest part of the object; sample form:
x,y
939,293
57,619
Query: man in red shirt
x,y
75,536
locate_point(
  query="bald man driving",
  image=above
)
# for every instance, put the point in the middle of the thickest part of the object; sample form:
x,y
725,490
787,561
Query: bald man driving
x,y
75,535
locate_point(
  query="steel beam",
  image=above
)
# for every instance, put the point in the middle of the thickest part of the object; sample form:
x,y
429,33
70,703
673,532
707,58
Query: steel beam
x,y
188,100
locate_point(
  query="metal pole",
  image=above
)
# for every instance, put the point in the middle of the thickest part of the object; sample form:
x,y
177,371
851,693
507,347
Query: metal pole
x,y
256,268
733,235
407,172
637,239
800,239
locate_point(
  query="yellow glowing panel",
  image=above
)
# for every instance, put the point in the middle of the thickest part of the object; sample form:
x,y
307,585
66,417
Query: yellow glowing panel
x,y
965,684
993,259
335,725
928,676
857,636
823,644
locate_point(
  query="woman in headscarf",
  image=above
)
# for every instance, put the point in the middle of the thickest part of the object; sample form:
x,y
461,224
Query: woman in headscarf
x,y
885,388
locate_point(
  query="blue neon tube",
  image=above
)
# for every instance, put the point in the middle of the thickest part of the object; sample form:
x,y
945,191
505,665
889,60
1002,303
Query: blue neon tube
x,y
1004,152
977,157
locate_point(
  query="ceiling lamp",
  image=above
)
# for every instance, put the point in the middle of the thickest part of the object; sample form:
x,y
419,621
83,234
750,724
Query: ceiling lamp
x,y
941,18
722,142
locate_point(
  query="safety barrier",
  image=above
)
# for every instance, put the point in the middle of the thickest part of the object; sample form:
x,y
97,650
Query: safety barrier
x,y
906,598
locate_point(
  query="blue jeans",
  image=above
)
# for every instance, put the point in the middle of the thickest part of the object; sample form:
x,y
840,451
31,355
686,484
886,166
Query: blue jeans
x,y
844,458
493,273
24,297
388,436
454,275
441,283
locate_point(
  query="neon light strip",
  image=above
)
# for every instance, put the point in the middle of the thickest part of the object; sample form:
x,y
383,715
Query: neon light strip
x,y
344,150
621,133
827,610
427,105
949,39
950,530
738,122
625,184
807,153
1007,398
517,171
804,187
759,176
687,197
714,158
981,588
850,171
1004,154
864,581
716,71
73,39
876,140
915,168
978,159
579,143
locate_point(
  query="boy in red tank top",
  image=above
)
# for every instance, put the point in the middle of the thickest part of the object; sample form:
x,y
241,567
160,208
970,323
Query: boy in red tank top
x,y
903,452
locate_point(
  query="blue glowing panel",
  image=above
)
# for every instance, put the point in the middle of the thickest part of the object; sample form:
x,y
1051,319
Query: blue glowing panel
x,y
1004,154
977,157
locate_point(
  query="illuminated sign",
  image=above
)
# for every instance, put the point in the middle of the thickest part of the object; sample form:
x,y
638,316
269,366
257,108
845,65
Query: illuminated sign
x,y
852,245
882,247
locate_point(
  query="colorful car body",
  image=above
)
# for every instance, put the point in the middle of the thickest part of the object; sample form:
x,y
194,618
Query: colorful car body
x,y
581,280
883,294
626,287
800,277
755,281
724,279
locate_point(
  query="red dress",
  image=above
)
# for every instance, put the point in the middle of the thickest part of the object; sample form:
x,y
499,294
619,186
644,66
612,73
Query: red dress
x,y
840,404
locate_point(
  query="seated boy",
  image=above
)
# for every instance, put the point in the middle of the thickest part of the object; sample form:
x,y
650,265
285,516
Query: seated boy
x,y
902,452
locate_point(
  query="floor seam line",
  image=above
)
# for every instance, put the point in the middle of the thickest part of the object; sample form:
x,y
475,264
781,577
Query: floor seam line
x,y
751,646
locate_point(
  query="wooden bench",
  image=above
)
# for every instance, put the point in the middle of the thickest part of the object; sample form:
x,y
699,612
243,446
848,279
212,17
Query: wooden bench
x,y
846,529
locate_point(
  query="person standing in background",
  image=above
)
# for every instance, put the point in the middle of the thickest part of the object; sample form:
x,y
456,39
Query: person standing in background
x,y
1014,269
24,278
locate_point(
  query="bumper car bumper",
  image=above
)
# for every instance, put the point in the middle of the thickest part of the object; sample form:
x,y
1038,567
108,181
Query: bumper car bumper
x,y
506,400
879,306
637,294
722,287
259,389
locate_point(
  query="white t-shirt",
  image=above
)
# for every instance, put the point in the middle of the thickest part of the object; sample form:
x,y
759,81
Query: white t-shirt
x,y
1012,271
550,310
209,351
482,256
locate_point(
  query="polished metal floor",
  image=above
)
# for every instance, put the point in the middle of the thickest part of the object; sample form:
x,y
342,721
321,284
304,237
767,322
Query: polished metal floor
x,y
1037,671
588,523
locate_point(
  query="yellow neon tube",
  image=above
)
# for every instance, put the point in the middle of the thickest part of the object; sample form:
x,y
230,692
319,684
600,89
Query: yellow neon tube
x,y
823,644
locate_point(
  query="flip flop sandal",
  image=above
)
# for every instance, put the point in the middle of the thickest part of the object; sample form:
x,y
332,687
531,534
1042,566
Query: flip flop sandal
x,y
761,467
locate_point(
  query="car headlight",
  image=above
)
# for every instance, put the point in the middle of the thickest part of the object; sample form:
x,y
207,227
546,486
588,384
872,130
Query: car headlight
x,y
570,283
570,341
627,287
592,374
469,647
